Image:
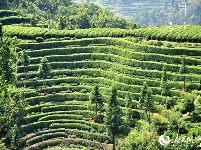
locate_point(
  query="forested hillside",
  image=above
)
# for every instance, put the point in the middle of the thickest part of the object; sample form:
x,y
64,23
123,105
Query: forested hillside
x,y
111,87
64,14
155,12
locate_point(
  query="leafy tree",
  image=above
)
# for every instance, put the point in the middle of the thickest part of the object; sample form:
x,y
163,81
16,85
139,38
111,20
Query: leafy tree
x,y
15,137
97,99
174,119
159,124
140,138
183,70
18,108
3,4
5,109
25,60
44,70
83,20
189,106
113,116
8,58
62,23
33,21
170,103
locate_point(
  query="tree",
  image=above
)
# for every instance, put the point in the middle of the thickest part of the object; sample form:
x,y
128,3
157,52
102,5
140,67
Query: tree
x,y
113,116
164,87
143,94
97,99
44,70
62,23
140,138
189,106
18,111
8,58
25,60
129,103
5,109
146,100
183,71
7,67
15,137
149,104
3,4
128,111
33,21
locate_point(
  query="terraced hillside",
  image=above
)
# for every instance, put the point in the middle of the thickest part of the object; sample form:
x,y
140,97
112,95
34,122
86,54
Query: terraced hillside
x,y
191,33
61,111
12,17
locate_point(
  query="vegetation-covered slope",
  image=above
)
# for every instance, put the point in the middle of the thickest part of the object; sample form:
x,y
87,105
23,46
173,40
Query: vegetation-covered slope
x,y
190,33
12,17
56,86
58,108
155,12
62,14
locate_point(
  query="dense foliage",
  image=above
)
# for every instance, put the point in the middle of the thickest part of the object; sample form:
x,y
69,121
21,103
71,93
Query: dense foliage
x,y
156,12
99,88
63,14
178,34
11,99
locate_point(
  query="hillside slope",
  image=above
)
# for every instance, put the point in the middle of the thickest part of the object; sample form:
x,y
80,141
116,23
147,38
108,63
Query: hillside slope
x,y
61,111
154,12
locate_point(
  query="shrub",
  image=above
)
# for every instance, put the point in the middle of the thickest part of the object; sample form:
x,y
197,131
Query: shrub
x,y
68,141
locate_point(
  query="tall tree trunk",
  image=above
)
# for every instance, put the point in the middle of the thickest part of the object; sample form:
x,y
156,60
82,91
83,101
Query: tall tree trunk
x,y
96,109
113,142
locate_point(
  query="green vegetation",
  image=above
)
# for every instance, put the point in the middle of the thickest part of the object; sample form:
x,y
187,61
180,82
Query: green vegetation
x,y
98,88
156,12
97,99
61,14
44,70
113,116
